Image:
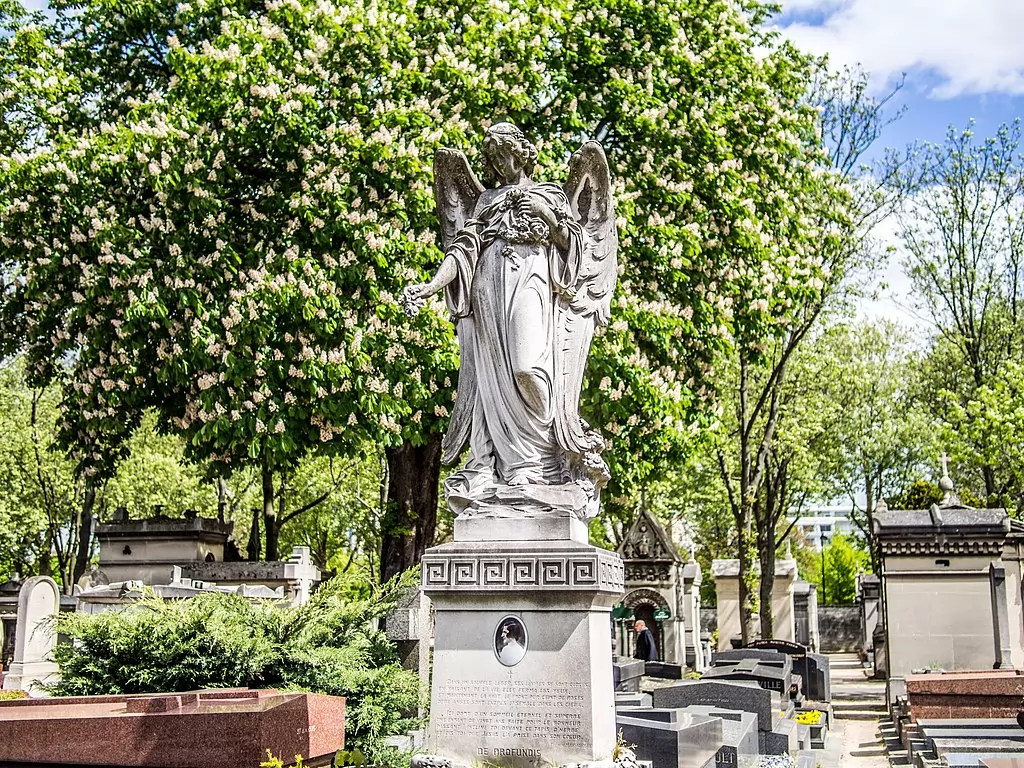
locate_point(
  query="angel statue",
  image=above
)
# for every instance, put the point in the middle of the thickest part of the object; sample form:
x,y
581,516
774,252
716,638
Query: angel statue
x,y
528,275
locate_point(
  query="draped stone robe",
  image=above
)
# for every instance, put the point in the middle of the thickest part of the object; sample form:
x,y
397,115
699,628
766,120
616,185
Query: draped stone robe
x,y
503,304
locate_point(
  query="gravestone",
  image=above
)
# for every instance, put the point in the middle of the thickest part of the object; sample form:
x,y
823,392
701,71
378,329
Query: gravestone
x,y
227,728
664,670
671,738
693,577
739,736
813,668
410,627
626,674
769,676
869,598
781,740
633,700
38,604
776,732
742,696
805,614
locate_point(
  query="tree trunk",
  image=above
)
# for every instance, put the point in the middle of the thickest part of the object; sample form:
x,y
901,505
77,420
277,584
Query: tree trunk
x,y
270,527
46,558
745,584
873,479
766,547
410,515
252,549
84,538
991,489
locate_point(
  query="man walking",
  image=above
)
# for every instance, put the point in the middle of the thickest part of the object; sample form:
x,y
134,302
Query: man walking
x,y
645,647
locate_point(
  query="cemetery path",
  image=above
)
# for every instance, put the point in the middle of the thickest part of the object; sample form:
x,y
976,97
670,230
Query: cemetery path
x,y
858,704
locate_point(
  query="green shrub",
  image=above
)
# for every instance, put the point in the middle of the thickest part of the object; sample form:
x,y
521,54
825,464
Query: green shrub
x,y
223,640
9,695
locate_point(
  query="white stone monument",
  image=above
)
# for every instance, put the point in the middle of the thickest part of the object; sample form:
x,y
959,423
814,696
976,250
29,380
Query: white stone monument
x,y
35,639
654,590
951,590
522,650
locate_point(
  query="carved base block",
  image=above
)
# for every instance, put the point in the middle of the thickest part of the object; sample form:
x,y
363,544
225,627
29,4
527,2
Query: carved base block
x,y
522,652
508,524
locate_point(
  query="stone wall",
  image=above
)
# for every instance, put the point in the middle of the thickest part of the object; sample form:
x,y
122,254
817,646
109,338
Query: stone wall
x,y
839,627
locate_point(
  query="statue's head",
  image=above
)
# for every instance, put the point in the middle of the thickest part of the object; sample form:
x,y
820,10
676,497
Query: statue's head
x,y
506,150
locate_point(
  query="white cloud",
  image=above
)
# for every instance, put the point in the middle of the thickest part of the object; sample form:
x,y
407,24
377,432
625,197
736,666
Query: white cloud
x,y
970,46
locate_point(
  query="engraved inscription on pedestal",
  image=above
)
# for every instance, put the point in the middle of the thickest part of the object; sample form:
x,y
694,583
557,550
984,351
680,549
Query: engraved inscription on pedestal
x,y
513,717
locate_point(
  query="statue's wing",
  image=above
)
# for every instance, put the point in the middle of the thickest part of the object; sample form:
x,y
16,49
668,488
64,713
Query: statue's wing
x,y
456,191
588,305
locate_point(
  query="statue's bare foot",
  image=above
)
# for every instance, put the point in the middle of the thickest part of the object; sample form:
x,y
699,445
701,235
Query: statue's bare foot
x,y
519,480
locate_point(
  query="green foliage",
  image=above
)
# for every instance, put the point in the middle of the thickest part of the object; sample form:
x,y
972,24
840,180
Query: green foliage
x,y
349,757
217,225
842,559
222,640
273,761
963,245
921,494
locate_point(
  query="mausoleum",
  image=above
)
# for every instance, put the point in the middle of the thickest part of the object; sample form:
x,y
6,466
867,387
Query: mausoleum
x,y
655,590
951,586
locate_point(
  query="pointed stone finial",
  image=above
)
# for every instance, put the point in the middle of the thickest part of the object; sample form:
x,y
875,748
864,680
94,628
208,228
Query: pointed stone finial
x,y
789,549
881,506
693,552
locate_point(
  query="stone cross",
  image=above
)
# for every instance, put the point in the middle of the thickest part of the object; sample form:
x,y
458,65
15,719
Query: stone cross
x,y
945,464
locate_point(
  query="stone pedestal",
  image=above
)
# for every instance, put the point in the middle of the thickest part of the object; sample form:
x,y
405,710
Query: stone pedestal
x,y
522,672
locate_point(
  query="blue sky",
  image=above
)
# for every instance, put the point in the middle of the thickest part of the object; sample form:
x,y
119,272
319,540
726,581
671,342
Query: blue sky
x,y
963,60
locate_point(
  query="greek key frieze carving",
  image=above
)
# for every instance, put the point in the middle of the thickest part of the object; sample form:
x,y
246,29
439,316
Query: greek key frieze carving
x,y
523,571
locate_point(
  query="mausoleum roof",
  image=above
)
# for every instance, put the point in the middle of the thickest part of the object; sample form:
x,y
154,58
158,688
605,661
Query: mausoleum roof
x,y
951,520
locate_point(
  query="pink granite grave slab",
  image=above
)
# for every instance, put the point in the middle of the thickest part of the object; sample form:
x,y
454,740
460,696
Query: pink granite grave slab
x,y
963,695
229,728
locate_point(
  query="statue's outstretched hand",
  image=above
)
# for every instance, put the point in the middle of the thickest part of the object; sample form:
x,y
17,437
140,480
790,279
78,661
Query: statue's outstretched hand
x,y
414,298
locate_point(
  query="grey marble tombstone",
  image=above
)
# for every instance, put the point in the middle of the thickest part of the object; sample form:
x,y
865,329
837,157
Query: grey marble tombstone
x,y
672,738
522,650
38,604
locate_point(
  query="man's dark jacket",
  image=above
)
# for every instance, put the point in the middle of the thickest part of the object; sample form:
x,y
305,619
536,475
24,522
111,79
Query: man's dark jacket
x,y
645,647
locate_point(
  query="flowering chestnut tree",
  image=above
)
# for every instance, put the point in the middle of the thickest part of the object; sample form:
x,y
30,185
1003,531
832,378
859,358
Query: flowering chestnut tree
x,y
226,202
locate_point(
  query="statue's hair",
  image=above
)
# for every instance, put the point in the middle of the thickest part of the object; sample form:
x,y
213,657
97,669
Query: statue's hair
x,y
509,135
